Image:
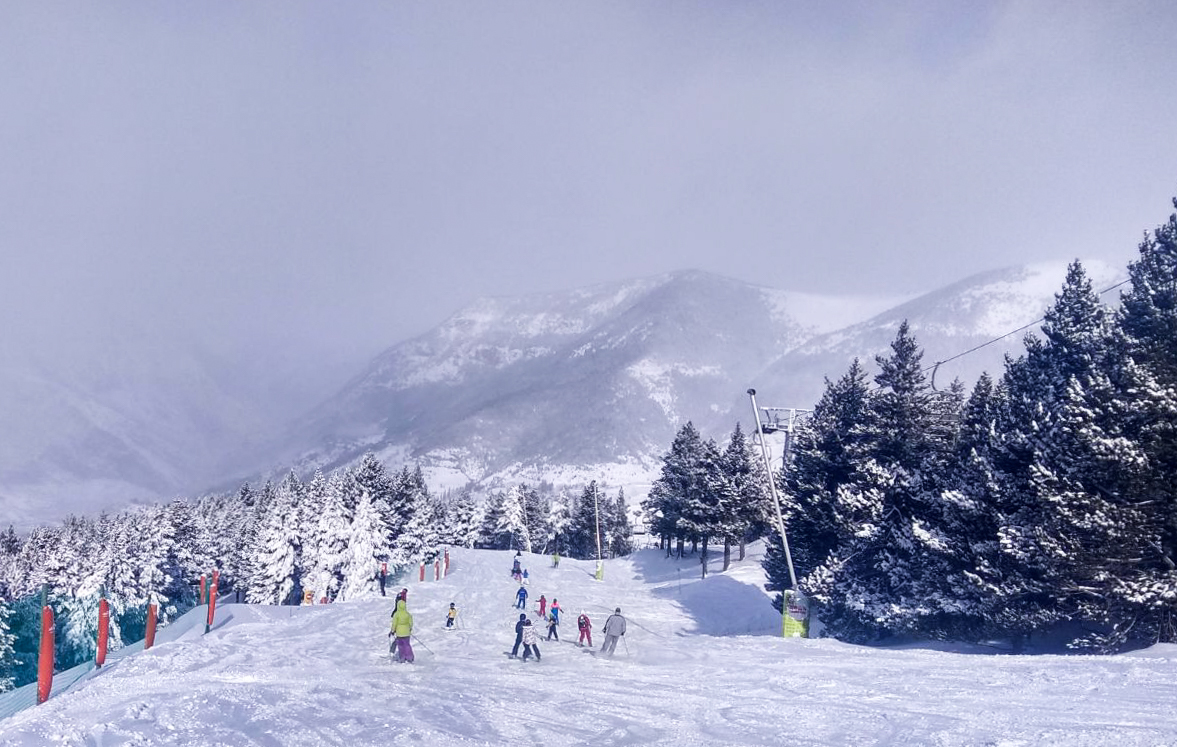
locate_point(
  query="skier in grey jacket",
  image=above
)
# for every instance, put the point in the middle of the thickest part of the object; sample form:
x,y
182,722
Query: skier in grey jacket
x,y
614,629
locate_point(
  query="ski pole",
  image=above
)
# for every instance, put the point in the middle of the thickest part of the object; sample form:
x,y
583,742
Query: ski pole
x,y
418,640
626,645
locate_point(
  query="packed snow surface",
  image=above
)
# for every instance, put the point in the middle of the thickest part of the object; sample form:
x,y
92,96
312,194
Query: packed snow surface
x,y
702,663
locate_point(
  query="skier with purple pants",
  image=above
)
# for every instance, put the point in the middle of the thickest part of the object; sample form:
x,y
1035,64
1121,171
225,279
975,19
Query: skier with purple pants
x,y
402,629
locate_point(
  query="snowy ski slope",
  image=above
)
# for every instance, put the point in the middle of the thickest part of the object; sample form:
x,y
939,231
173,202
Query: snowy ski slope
x,y
701,664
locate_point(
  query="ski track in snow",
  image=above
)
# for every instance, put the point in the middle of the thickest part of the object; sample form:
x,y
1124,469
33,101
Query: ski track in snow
x,y
701,663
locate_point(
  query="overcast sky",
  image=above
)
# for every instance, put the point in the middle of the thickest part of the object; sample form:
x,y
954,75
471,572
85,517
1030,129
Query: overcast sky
x,y
336,177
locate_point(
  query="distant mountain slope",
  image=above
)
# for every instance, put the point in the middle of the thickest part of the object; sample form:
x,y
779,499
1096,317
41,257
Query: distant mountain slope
x,y
946,322
561,387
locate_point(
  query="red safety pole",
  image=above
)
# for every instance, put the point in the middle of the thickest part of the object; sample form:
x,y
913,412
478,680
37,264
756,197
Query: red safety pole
x,y
152,615
422,570
203,589
437,570
103,631
45,659
212,601
447,561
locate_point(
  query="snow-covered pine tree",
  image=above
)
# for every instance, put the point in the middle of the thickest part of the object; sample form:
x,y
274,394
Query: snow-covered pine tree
x,y
462,521
745,498
371,476
276,577
332,534
1147,326
683,473
492,515
827,451
888,575
702,512
365,549
8,660
158,579
513,521
536,512
1061,523
619,531
559,519
420,538
581,535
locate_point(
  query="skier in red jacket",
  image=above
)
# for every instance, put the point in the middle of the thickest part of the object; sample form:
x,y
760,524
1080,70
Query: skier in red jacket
x,y
585,625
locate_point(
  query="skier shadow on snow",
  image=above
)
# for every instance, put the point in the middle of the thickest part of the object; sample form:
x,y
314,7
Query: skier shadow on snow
x,y
718,605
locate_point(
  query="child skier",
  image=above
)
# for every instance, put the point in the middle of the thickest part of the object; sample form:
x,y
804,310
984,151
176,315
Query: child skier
x,y
585,625
530,640
518,635
554,620
451,616
521,598
543,606
555,560
402,629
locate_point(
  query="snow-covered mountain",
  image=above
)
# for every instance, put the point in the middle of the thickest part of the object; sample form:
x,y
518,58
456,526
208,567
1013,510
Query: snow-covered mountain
x,y
559,387
593,383
946,322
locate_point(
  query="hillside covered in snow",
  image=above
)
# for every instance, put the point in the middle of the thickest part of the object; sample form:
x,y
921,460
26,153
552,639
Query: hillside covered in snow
x,y
701,663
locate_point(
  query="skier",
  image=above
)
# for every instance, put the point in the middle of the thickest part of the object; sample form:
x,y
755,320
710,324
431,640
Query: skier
x,y
526,580
515,568
554,620
403,596
521,598
518,635
530,640
451,616
556,560
402,628
614,629
585,625
543,606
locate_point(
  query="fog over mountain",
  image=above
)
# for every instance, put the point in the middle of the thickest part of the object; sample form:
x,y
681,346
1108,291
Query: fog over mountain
x,y
559,387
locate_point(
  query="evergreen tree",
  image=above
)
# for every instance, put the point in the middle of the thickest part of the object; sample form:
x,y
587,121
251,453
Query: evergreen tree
x,y
492,518
585,534
276,560
827,451
512,522
888,575
8,660
333,535
536,513
462,521
683,477
619,531
365,549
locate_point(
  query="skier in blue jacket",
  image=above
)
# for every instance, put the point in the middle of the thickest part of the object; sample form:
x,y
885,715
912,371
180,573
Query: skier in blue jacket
x,y
521,598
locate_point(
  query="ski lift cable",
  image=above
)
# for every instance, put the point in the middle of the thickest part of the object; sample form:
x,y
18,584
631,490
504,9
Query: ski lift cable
x,y
1022,328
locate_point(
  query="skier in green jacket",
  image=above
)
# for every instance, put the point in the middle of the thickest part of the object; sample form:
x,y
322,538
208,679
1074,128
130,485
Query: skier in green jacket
x,y
402,628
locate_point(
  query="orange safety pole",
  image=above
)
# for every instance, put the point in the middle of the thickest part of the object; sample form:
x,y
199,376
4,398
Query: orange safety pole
x,y
103,631
45,659
422,570
152,615
212,601
203,589
447,561
437,570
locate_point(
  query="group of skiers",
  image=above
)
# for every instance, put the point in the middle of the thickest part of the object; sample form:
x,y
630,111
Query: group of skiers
x,y
401,628
525,633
